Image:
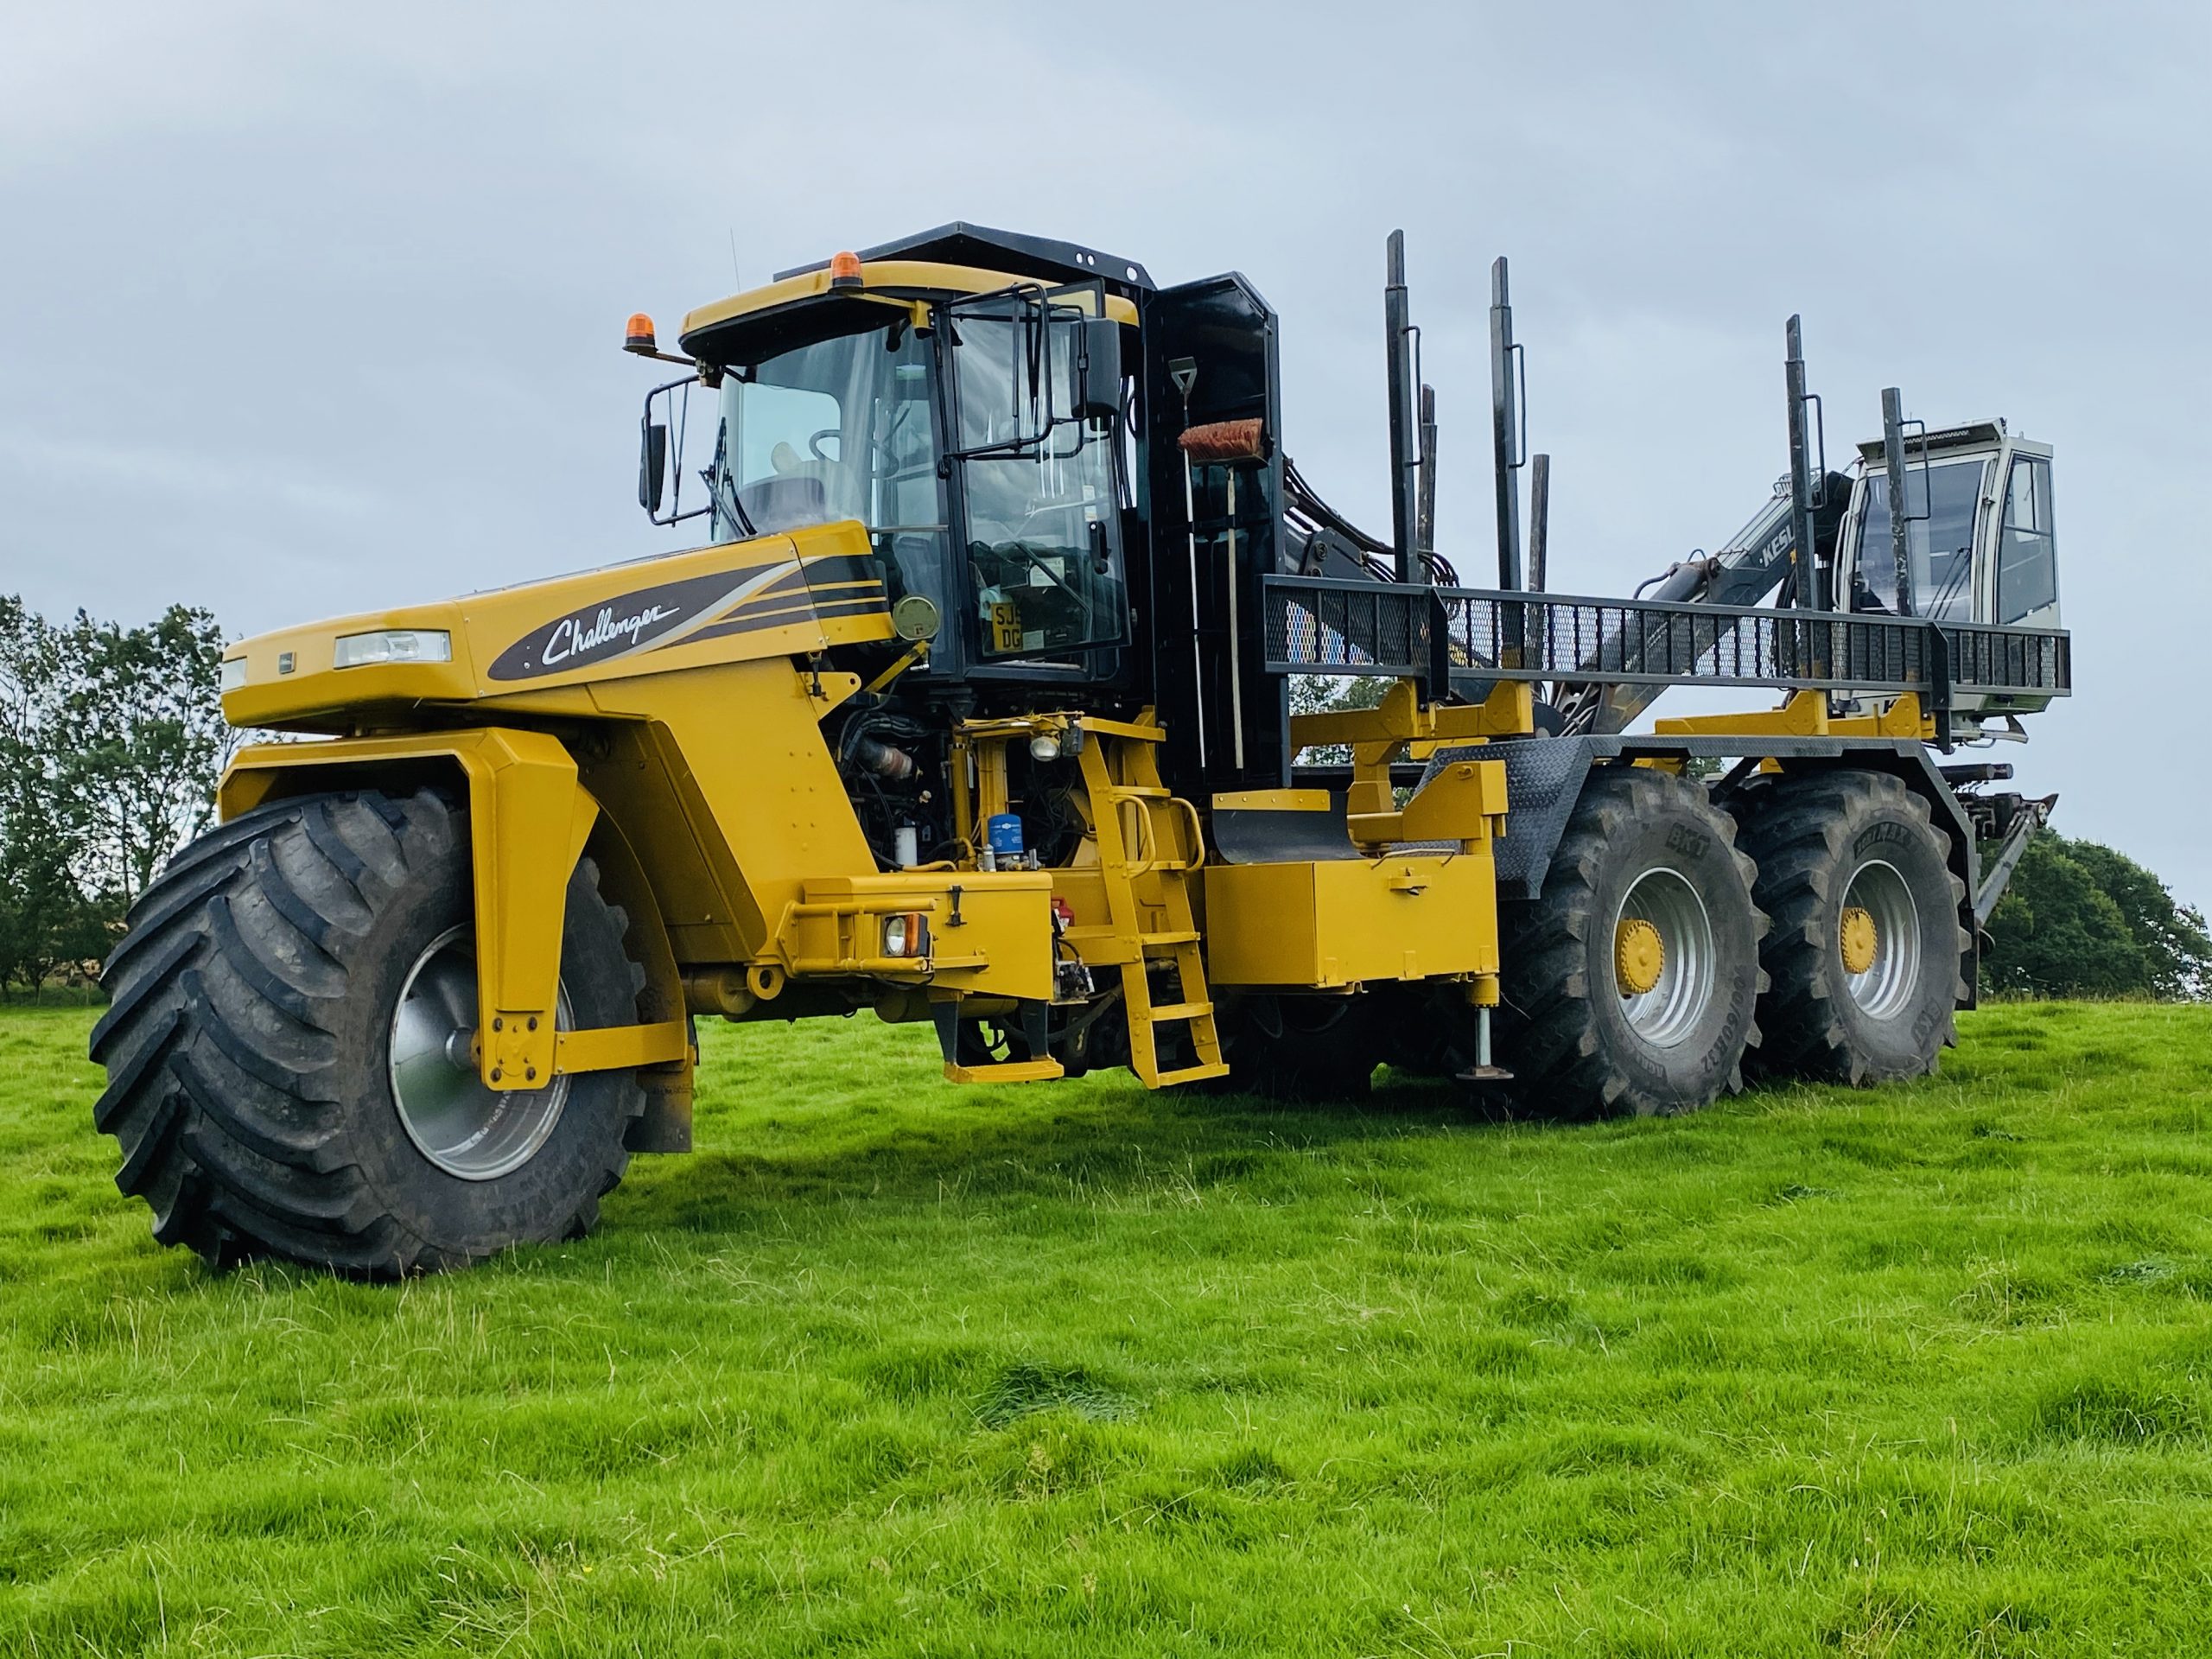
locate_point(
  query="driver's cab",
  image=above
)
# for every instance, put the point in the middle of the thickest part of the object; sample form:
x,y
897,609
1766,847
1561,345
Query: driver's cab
x,y
973,423
1979,540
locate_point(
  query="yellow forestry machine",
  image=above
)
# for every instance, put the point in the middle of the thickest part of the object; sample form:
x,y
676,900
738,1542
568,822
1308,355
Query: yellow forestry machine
x,y
973,705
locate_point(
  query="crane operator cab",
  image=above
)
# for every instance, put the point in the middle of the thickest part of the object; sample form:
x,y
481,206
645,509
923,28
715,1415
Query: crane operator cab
x,y
1980,544
980,438
1977,528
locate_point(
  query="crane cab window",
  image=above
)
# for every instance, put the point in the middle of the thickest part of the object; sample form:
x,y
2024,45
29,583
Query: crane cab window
x,y
2027,553
1038,480
1942,502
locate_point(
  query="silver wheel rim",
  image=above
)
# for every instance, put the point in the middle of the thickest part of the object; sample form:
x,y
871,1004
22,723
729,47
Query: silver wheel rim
x,y
1886,989
464,1127
1671,1009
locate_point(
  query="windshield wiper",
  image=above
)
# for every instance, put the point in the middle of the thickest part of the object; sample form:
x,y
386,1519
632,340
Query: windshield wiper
x,y
714,475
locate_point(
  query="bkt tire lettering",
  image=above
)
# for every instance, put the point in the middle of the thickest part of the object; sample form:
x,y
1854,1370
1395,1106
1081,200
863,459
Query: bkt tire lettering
x,y
1876,835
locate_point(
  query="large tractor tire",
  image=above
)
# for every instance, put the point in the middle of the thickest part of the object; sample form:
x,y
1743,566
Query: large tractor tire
x,y
1632,985
288,1049
1864,957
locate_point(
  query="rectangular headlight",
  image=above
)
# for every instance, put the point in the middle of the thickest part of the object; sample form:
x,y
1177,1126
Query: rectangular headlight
x,y
233,673
906,934
393,645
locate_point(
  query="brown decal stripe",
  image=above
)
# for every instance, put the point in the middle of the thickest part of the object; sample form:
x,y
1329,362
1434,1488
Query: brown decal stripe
x,y
755,622
839,570
844,567
817,600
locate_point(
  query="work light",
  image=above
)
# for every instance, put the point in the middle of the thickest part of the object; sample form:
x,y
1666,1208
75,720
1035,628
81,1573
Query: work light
x,y
393,645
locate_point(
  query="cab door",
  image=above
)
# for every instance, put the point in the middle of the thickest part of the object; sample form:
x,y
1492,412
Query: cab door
x,y
1034,421
2024,567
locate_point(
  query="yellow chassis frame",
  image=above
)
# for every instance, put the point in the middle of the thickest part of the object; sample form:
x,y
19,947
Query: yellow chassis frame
x,y
528,821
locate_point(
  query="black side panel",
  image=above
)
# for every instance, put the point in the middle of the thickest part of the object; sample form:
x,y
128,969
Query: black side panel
x,y
1543,780
1206,671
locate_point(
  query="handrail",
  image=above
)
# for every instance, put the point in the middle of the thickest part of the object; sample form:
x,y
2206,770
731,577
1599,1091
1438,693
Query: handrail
x,y
1317,624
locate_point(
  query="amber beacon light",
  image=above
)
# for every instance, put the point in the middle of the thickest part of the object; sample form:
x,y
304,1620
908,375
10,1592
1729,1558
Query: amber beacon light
x,y
637,334
844,270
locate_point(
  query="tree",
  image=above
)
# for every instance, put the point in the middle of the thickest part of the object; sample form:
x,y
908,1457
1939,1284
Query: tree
x,y
46,920
1321,693
2172,935
110,742
144,713
2080,919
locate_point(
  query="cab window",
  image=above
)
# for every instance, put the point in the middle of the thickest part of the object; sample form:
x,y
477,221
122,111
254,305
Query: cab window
x,y
2027,554
840,428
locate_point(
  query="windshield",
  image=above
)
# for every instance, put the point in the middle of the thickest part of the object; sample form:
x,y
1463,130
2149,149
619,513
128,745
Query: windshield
x,y
1941,545
838,429
1043,539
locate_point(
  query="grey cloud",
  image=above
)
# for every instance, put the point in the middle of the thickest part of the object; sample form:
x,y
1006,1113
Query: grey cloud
x,y
309,309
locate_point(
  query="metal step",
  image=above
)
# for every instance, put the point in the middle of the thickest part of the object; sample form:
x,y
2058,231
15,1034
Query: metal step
x,y
1194,1074
1040,1071
1180,1011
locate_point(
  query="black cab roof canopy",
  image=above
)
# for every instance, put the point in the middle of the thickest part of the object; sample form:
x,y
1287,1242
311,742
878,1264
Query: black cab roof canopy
x,y
805,305
1968,434
963,244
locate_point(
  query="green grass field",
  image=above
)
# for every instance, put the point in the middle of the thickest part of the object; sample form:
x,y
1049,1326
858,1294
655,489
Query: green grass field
x,y
895,1366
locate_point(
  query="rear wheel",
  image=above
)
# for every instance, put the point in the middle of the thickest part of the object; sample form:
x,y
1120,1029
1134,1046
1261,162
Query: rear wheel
x,y
1866,952
1631,985
288,1049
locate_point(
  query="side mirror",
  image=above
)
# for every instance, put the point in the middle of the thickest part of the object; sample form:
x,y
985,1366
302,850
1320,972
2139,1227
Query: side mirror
x,y
653,463
1098,390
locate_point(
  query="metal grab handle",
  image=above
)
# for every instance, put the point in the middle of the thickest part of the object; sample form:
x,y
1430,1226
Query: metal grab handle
x,y
1147,842
1197,835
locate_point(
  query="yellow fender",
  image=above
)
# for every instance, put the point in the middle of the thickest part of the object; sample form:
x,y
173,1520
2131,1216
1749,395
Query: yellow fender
x,y
528,820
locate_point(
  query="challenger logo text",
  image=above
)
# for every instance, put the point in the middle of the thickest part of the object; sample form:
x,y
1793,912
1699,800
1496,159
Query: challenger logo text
x,y
571,635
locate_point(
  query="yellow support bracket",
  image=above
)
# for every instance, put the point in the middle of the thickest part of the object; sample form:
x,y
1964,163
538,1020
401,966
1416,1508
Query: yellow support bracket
x,y
529,819
1402,717
1806,715
1145,728
622,1048
1402,723
1902,717
1464,801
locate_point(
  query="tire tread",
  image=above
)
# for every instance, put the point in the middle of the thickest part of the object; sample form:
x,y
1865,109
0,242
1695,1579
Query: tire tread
x,y
226,1011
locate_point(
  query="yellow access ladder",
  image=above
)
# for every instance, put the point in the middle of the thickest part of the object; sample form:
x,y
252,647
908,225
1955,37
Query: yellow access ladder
x,y
1150,844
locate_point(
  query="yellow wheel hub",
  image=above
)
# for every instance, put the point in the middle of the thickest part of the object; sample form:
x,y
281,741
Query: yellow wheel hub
x,y
1639,956
1859,939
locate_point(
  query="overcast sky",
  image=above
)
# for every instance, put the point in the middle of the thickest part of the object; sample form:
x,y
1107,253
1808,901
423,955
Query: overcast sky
x,y
310,309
